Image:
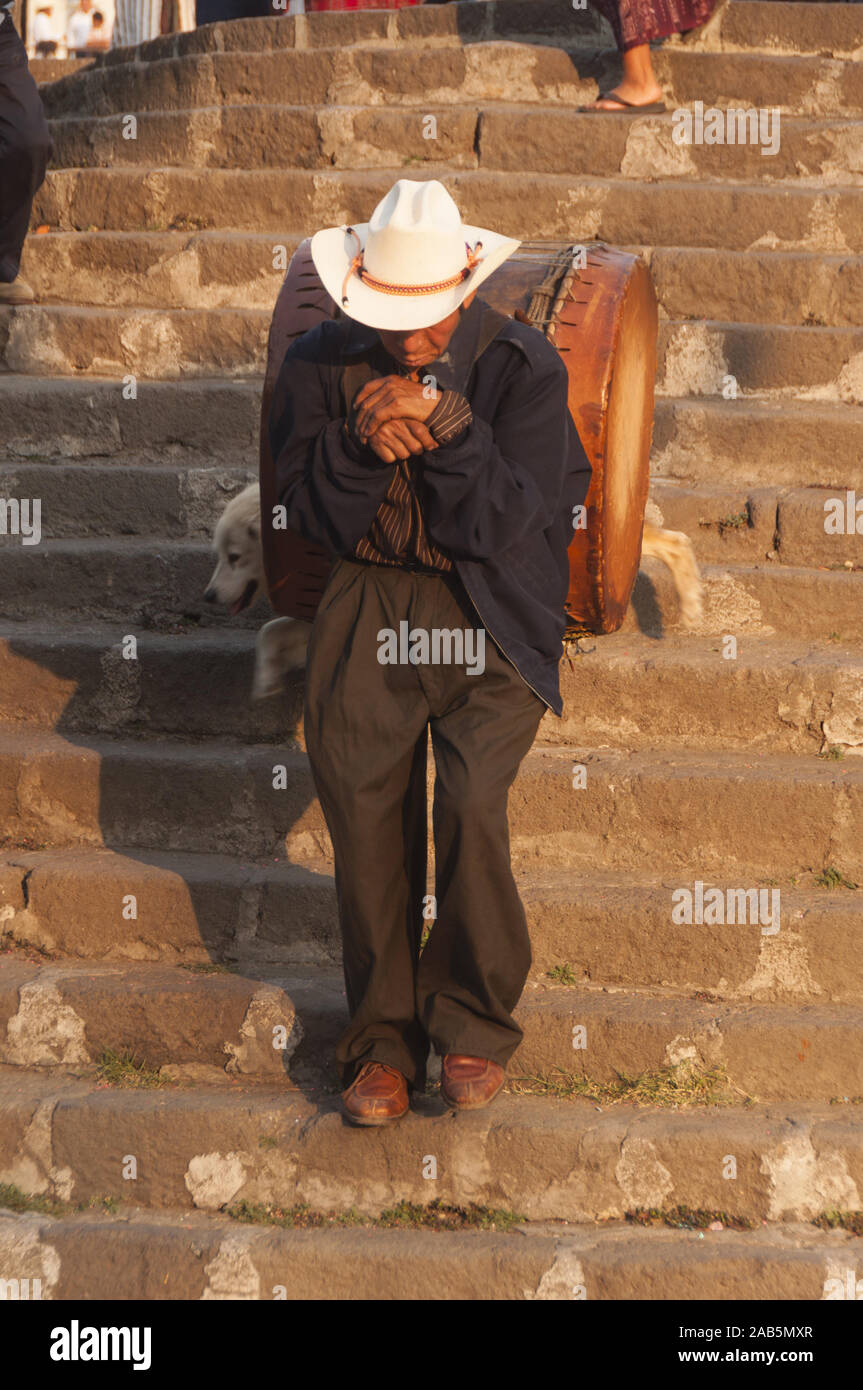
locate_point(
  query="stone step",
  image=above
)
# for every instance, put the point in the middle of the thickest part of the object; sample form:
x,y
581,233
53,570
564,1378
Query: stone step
x,y
193,909
740,525
788,28
769,1052
208,423
620,211
215,270
260,1026
196,424
164,343
701,359
92,498
499,135
412,75
697,812
506,19
748,286
157,270
763,361
357,75
610,928
173,1021
755,148
791,28
208,1148
616,930
772,815
188,1255
45,70
730,524
787,695
261,136
798,86
160,583
780,443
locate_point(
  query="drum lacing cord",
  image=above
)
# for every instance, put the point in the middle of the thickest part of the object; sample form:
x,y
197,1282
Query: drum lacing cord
x,y
545,296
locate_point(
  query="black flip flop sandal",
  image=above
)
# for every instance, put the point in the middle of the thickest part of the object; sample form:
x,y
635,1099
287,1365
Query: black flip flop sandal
x,y
630,108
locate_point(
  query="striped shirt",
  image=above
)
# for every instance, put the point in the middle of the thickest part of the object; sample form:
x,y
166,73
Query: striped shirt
x,y
397,536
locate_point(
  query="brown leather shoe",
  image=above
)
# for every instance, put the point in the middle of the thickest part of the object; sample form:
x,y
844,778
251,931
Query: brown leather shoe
x,y
378,1095
469,1083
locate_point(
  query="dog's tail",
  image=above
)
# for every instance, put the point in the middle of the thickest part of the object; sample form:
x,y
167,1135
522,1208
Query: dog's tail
x,y
674,549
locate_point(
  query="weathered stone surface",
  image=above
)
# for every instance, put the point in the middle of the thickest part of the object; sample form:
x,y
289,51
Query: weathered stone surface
x,y
220,269
623,212
549,1160
702,440
62,1016
764,814
810,151
502,70
231,137
137,342
762,360
755,286
260,1024
144,1256
695,359
164,422
608,926
621,689
158,269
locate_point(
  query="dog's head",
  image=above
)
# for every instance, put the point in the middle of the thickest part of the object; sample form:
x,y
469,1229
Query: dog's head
x,y
238,579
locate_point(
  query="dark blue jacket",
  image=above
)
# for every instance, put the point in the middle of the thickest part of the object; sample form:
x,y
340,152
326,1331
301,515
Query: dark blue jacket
x,y
499,498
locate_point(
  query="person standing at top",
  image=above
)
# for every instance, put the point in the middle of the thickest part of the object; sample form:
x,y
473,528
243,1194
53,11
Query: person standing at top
x,y
636,24
25,148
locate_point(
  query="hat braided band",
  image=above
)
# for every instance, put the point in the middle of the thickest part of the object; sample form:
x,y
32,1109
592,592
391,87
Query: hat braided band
x,y
384,287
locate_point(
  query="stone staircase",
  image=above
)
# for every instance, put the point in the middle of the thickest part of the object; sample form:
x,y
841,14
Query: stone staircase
x,y
159,897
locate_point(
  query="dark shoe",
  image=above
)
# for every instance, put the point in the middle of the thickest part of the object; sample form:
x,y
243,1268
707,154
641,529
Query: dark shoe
x,y
16,291
378,1095
469,1083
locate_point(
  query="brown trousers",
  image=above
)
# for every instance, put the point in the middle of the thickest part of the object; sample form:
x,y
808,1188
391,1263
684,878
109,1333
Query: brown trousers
x,y
366,727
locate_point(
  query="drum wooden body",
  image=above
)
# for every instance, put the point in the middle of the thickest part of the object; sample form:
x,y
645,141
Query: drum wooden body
x,y
602,319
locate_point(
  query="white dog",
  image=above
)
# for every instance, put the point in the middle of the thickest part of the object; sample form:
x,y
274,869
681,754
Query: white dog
x,y
238,581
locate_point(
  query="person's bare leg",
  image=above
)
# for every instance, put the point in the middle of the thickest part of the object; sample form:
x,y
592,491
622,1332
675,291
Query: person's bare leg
x,y
638,84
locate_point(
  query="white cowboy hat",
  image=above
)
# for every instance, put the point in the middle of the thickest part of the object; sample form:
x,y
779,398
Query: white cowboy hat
x,y
412,263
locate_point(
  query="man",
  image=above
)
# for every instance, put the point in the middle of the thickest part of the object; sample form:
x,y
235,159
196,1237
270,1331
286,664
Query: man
x,y
25,148
426,441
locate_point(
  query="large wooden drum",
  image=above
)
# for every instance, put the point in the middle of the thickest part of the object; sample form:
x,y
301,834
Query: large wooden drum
x,y
597,306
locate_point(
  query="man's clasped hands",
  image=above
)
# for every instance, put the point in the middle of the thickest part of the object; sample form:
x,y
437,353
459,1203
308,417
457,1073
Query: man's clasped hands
x,y
389,413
